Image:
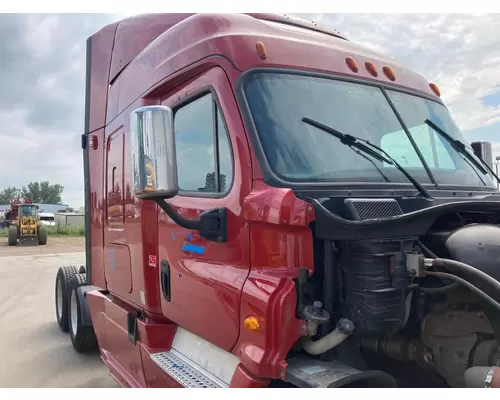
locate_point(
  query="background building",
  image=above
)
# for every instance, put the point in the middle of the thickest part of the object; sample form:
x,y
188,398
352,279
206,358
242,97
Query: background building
x,y
69,219
50,208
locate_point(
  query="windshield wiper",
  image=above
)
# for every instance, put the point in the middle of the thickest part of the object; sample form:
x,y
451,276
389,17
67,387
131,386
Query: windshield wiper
x,y
460,148
361,144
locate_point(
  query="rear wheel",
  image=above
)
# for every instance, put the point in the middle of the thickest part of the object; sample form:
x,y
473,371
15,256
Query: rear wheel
x,y
42,235
12,235
83,338
63,278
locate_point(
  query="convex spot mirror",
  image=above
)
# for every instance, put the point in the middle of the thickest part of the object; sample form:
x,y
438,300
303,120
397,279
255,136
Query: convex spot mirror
x,y
154,164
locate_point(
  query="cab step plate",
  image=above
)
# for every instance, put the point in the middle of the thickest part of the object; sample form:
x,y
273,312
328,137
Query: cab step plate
x,y
184,371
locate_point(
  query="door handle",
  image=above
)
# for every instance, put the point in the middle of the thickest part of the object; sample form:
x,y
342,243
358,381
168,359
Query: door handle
x,y
165,279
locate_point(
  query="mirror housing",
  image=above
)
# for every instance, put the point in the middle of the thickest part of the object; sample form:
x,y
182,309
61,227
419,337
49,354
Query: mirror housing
x,y
154,170
154,163
484,151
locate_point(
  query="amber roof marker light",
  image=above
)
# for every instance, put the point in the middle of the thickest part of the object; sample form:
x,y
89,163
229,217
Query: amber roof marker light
x,y
371,68
351,63
261,50
435,89
389,73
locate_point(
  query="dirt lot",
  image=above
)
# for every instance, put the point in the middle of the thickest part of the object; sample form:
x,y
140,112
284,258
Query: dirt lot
x,y
55,244
35,353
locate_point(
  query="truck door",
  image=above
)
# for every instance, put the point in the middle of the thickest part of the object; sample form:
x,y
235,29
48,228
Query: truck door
x,y
202,280
117,254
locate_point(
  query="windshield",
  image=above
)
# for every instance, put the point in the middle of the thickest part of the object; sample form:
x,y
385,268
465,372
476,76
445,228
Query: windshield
x,y
27,211
297,152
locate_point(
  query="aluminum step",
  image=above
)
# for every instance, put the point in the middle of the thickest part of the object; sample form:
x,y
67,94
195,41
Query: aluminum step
x,y
185,371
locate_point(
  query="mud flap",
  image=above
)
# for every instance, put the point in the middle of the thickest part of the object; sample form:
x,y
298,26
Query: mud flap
x,y
306,372
81,292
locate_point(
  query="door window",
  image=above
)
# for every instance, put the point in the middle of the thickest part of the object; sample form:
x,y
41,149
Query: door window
x,y
204,159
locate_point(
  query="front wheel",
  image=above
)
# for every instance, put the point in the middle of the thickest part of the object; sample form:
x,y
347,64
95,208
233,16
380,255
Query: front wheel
x,y
42,235
83,338
12,235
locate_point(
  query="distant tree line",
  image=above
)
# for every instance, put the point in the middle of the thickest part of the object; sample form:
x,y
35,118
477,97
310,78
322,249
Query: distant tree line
x,y
36,192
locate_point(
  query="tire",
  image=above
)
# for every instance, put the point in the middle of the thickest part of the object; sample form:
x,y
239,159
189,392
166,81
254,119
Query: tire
x,y
83,338
42,235
12,235
63,278
82,269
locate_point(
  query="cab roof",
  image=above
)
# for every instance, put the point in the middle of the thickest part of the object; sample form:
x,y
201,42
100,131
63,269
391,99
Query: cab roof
x,y
143,50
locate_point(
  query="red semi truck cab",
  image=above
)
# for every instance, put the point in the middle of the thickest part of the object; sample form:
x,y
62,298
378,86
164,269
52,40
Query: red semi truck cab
x,y
253,183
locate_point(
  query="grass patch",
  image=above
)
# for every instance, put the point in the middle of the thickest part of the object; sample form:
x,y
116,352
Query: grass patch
x,y
72,230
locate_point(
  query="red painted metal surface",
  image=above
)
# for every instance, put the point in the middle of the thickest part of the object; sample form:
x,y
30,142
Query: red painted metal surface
x,y
131,37
214,279
269,237
100,60
243,379
235,38
125,359
272,299
281,242
132,225
155,376
97,209
110,324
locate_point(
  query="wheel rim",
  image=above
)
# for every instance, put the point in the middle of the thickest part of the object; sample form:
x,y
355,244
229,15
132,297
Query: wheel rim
x,y
74,313
59,299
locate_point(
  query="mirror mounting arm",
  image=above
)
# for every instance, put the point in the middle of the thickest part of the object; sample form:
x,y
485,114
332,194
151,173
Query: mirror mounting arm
x,y
212,224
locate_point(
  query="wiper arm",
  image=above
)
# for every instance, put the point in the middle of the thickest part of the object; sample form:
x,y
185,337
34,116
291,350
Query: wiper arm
x,y
353,141
461,148
373,163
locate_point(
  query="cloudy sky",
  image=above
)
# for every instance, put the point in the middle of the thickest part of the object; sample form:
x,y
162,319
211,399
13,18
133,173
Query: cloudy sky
x,y
42,73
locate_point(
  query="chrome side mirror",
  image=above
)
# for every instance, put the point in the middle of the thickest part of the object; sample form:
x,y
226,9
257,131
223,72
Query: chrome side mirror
x,y
154,163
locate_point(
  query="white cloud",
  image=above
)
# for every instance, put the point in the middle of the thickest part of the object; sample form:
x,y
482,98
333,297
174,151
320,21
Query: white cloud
x,y
34,155
40,34
42,80
458,52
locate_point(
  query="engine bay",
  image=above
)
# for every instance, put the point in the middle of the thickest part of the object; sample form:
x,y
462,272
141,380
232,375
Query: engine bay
x,y
419,291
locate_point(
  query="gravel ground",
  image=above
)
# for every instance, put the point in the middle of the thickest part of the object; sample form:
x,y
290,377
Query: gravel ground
x,y
55,244
35,353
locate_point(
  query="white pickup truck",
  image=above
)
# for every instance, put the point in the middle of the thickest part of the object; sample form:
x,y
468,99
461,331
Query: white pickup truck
x,y
47,218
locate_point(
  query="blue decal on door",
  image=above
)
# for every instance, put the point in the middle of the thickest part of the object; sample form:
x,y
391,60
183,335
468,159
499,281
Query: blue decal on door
x,y
192,248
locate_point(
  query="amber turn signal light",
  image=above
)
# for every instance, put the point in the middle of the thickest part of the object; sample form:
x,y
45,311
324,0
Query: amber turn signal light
x,y
252,323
